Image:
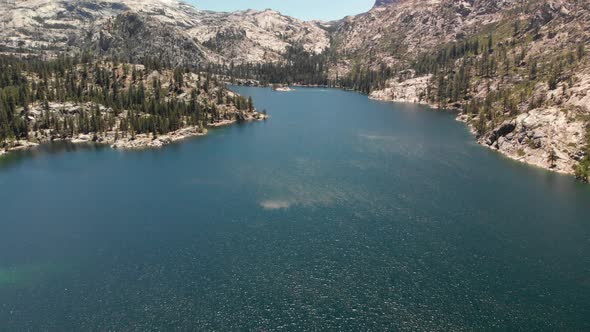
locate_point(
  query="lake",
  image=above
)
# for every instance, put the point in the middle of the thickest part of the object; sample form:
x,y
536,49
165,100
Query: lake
x,y
338,213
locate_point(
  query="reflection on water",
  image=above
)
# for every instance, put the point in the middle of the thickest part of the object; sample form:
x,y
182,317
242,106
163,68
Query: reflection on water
x,y
46,149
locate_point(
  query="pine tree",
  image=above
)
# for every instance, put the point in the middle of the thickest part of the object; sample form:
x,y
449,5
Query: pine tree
x,y
552,158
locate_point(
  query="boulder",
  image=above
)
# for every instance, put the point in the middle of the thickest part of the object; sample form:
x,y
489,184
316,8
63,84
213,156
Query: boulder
x,y
506,128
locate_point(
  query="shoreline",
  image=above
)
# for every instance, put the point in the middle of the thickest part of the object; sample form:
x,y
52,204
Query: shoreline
x,y
504,145
534,160
145,141
535,157
516,151
139,142
506,154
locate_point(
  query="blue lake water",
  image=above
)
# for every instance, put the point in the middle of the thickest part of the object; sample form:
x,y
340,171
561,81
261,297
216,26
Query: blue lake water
x,y
338,213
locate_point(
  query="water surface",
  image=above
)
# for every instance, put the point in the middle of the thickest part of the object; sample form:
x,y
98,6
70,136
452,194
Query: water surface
x,y
339,213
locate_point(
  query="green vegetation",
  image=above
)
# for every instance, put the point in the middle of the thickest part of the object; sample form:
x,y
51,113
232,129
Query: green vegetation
x,y
582,170
495,60
552,158
299,67
133,99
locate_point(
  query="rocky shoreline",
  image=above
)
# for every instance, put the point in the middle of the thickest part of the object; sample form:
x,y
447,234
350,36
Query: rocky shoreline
x,y
115,141
412,90
161,107
545,138
548,138
542,138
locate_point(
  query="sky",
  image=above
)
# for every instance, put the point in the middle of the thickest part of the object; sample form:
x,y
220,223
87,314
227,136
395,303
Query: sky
x,y
303,9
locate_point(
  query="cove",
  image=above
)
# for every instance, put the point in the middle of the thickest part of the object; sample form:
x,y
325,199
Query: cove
x,y
338,213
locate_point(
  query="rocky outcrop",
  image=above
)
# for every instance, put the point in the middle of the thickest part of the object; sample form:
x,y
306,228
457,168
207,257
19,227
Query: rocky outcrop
x,y
549,138
537,113
169,29
411,90
211,105
501,131
383,3
114,138
536,103
400,30
133,36
258,36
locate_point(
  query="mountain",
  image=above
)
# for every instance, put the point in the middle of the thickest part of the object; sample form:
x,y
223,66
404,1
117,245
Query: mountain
x,y
383,3
396,31
257,36
170,28
516,70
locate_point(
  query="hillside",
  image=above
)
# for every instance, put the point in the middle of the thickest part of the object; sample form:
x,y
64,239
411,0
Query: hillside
x,y
170,29
517,70
82,99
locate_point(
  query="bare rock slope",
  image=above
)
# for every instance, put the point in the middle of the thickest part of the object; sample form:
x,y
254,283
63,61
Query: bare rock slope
x,y
518,70
153,26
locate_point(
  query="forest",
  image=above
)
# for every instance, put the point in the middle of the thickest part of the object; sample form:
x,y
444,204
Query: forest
x,y
138,102
130,99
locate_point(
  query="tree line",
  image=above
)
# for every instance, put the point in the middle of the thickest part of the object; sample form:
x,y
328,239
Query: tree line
x,y
123,91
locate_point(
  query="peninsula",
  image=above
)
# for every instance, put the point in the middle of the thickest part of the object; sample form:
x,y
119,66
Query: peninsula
x,y
124,105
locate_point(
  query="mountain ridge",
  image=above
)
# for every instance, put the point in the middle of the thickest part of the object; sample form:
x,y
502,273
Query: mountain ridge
x,y
54,26
383,3
517,70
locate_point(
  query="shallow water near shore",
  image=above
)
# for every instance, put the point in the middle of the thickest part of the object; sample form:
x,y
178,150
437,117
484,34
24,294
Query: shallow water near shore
x,y
338,213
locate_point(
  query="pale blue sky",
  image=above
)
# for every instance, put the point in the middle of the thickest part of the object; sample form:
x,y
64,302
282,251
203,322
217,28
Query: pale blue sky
x,y
303,9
